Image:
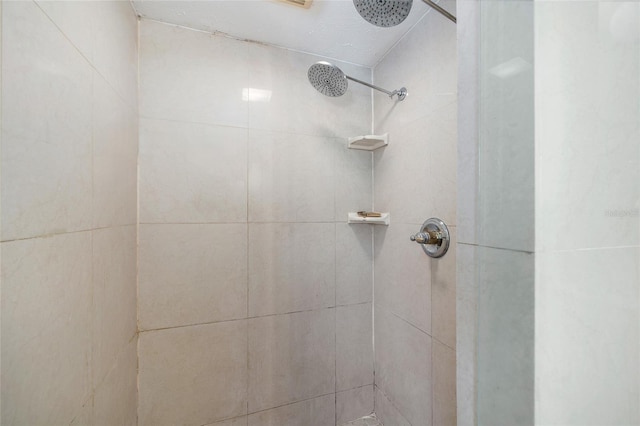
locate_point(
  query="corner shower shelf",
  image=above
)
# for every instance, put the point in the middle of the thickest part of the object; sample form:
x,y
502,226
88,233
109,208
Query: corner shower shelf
x,y
382,220
368,142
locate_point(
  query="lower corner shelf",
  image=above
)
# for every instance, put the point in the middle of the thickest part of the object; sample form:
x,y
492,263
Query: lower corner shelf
x,y
384,219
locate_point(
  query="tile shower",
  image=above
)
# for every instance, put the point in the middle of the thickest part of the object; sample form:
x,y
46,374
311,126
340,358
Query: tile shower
x,y
254,299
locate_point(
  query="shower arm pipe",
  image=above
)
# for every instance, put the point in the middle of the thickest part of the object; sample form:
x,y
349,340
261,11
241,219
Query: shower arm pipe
x,y
441,10
401,93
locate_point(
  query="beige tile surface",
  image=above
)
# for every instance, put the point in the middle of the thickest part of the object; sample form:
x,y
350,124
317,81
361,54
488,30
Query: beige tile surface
x,y
387,412
444,385
313,412
115,400
354,264
192,173
115,157
403,366
192,274
46,152
115,41
354,346
443,294
586,317
238,421
193,375
466,334
291,358
192,76
46,328
291,267
428,73
291,177
353,182
417,180
295,106
371,420
353,404
114,296
402,275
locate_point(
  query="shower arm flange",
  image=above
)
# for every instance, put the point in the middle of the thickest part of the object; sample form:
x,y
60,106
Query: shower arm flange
x,y
401,93
441,10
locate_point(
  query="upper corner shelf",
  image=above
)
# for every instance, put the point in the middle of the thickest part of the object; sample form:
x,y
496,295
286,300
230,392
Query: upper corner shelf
x,y
369,142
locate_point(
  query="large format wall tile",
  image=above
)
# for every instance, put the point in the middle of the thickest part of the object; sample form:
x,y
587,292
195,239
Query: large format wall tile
x,y
46,152
192,173
193,375
238,421
415,176
46,328
105,32
115,400
425,62
291,267
313,412
115,158
291,177
291,358
466,334
353,181
506,145
295,106
191,274
114,296
587,125
443,294
587,330
505,336
354,264
116,48
402,275
444,384
192,76
387,412
403,366
353,404
354,346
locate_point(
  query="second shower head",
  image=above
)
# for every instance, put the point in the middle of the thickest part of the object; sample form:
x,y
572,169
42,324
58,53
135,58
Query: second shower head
x,y
389,13
329,80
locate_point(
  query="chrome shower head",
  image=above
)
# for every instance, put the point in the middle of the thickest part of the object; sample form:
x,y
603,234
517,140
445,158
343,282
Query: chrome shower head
x,y
327,79
389,13
383,13
331,81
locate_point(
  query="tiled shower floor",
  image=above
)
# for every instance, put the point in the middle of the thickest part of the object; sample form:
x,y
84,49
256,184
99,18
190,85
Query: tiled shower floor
x,y
365,421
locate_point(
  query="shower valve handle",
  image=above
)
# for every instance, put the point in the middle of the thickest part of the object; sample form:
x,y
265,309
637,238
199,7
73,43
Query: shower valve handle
x,y
431,237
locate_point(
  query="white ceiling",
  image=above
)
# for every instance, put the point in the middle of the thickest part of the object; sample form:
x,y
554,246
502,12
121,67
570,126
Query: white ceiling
x,y
330,28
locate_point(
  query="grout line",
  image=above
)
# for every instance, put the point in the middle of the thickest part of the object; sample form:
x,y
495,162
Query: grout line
x,y
243,223
248,318
497,248
137,217
248,265
404,320
248,127
335,318
56,234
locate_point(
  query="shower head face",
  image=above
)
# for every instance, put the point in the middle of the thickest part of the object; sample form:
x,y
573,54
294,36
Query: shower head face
x,y
383,13
327,79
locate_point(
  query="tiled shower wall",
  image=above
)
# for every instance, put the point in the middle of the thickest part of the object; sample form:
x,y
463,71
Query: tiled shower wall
x,y
69,148
415,178
254,295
